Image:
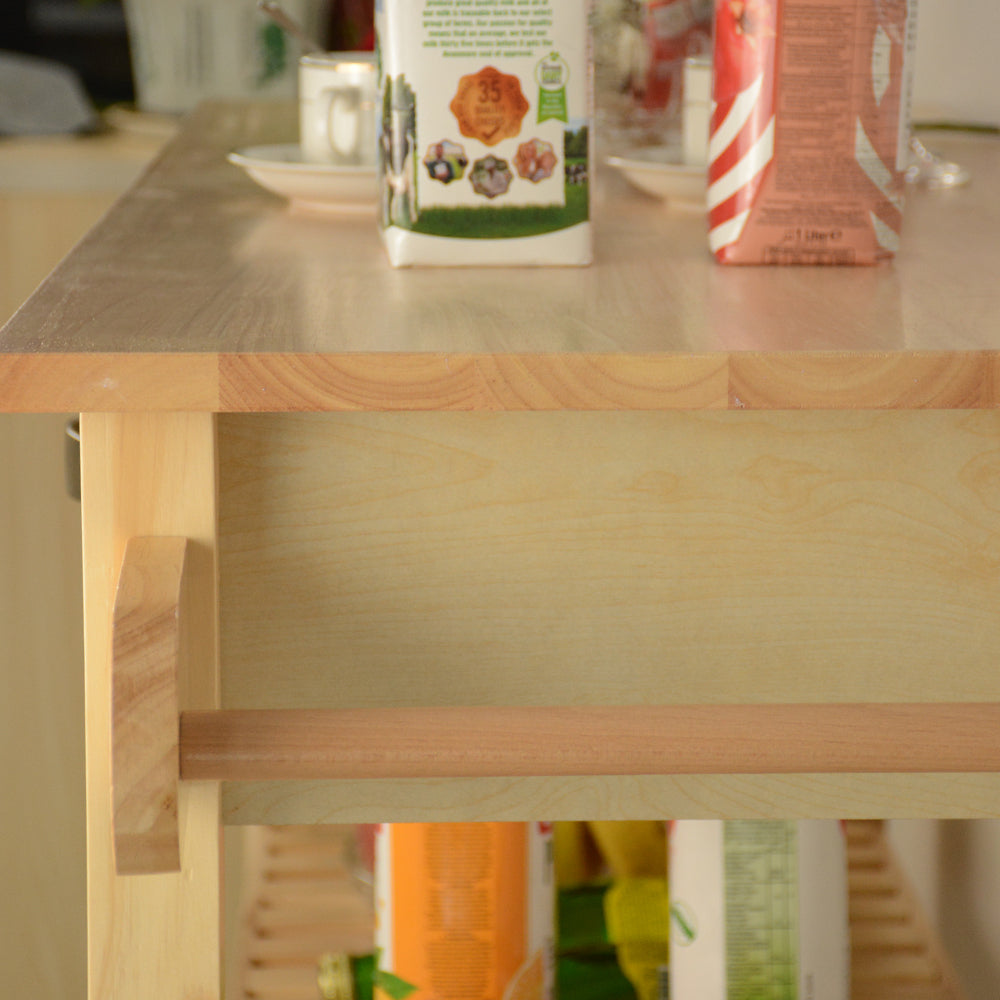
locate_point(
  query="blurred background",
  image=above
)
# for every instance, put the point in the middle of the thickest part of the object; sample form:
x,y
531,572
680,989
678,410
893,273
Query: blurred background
x,y
114,77
166,57
102,41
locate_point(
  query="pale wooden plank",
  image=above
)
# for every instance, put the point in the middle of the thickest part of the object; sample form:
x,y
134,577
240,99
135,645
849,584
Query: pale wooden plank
x,y
115,383
307,943
501,741
952,380
52,189
493,382
150,936
880,990
638,797
281,983
546,559
145,650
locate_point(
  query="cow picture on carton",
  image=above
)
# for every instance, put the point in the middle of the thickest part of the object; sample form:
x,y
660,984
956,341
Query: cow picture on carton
x,y
397,154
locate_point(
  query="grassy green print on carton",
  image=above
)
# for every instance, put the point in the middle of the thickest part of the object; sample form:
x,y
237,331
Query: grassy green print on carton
x,y
511,222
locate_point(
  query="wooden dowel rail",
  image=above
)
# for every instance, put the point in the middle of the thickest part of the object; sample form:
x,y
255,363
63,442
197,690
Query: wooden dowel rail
x,y
258,745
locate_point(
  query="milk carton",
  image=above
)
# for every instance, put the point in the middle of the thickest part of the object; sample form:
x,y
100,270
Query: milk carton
x,y
758,910
484,131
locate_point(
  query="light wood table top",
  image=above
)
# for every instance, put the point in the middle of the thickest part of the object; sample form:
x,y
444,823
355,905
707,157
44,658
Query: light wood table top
x,y
201,291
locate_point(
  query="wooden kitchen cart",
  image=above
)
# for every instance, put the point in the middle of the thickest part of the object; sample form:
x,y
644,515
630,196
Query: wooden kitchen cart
x,y
650,538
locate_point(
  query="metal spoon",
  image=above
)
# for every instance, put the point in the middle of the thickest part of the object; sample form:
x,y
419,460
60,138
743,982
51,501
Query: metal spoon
x,y
274,11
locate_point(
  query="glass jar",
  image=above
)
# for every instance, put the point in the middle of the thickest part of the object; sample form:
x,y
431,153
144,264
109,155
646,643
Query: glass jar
x,y
639,51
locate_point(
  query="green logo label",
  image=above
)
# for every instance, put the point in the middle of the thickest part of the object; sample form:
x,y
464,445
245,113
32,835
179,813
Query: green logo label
x,y
551,75
683,925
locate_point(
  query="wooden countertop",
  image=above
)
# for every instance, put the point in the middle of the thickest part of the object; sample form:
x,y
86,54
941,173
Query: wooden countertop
x,y
201,291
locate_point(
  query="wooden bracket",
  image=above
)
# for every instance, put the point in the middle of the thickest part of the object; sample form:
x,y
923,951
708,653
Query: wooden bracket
x,y
146,652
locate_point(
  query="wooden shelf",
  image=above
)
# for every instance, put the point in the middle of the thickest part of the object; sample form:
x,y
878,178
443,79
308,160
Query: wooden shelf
x,y
200,291
301,903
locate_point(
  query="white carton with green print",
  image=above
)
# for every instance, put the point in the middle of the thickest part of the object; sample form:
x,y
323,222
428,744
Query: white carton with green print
x,y
484,131
758,910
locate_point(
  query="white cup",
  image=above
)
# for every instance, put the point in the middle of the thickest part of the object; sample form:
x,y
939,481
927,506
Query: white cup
x,y
337,94
697,110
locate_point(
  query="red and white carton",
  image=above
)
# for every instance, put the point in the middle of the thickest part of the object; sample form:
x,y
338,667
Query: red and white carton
x,y
809,134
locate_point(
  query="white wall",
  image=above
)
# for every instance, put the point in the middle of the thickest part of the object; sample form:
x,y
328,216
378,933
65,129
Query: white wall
x,y
957,76
969,913
42,859
955,867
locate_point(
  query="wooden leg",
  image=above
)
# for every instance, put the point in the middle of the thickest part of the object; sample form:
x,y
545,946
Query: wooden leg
x,y
152,936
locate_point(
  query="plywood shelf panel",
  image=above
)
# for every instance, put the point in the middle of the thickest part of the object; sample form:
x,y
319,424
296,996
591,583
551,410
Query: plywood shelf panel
x,y
625,559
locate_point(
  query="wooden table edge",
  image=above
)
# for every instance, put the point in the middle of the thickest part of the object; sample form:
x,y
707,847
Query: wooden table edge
x,y
379,381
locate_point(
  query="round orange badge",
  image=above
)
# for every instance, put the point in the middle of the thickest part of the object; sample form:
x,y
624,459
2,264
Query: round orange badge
x,y
489,106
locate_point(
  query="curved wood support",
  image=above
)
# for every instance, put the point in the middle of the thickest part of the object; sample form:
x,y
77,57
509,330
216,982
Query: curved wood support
x,y
146,651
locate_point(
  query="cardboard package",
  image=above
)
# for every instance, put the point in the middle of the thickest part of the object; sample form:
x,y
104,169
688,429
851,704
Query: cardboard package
x,y
809,134
484,131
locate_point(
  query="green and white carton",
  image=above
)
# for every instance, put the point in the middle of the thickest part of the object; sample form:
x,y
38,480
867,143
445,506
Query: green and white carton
x,y
758,910
485,138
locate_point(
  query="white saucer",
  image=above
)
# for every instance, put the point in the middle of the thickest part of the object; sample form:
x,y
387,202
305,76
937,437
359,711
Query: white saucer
x,y
657,170
322,187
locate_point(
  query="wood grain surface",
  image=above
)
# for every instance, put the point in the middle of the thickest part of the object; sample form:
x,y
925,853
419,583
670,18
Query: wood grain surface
x,y
500,741
146,649
575,559
557,558
596,797
152,936
259,307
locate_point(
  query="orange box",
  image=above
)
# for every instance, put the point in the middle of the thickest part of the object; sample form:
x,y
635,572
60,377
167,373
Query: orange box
x,y
464,910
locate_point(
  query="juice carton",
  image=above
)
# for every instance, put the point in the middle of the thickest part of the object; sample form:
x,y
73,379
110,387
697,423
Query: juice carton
x,y
464,910
809,133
